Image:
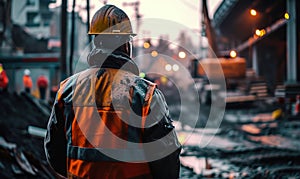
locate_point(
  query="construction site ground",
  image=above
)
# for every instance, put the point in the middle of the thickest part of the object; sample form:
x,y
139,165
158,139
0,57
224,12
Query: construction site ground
x,y
248,144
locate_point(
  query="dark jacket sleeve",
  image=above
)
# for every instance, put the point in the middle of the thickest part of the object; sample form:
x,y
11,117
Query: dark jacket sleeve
x,y
55,141
164,153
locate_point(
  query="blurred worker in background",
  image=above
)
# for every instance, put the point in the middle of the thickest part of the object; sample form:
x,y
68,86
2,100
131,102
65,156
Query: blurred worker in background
x,y
53,92
42,83
106,120
3,79
27,81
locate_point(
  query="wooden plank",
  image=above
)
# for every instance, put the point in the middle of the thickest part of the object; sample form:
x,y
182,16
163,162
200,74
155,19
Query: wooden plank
x,y
234,99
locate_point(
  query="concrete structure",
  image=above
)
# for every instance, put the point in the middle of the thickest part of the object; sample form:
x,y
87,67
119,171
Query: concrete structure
x,y
268,39
34,15
40,21
47,64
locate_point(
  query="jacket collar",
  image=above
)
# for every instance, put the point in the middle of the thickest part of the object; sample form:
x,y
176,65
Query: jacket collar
x,y
117,60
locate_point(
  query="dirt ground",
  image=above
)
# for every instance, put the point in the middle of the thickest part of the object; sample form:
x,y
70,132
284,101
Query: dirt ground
x,y
21,154
248,144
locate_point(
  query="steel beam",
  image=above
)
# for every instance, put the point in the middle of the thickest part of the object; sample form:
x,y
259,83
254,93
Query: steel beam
x,y
291,43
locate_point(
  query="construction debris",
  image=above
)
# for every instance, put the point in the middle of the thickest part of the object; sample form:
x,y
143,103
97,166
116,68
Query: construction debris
x,y
22,121
251,143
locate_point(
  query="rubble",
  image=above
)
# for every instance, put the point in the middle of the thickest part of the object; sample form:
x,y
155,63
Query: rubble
x,y
250,143
21,154
247,145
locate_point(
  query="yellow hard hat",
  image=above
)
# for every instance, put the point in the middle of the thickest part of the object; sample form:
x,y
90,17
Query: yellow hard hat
x,y
110,20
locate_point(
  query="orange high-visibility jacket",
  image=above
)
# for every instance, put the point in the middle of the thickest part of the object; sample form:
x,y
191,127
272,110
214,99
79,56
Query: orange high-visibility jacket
x,y
98,117
27,81
42,82
3,79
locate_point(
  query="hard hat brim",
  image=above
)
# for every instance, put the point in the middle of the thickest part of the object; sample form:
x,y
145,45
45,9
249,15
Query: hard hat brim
x,y
93,33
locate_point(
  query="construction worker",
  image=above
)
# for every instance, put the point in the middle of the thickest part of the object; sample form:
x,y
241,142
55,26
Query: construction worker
x,y
27,81
42,83
3,79
106,121
53,92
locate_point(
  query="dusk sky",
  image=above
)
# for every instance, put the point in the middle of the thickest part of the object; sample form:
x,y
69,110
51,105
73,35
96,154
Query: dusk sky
x,y
184,14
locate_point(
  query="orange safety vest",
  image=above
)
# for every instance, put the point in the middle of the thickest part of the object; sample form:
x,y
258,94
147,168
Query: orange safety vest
x,y
96,121
27,81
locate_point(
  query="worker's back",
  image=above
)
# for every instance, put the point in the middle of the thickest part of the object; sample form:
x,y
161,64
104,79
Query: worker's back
x,y
101,105
97,108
